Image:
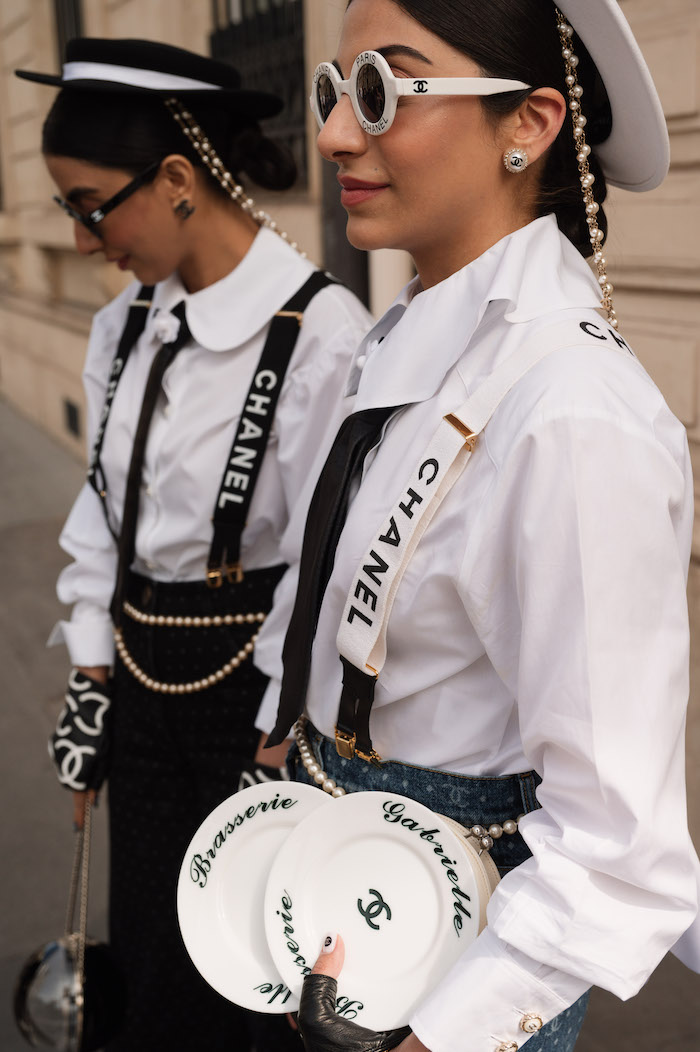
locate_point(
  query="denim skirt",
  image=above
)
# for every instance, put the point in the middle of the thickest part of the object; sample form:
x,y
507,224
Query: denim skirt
x,y
469,801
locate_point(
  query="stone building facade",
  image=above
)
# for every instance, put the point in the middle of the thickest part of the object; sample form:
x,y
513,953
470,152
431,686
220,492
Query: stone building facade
x,y
48,292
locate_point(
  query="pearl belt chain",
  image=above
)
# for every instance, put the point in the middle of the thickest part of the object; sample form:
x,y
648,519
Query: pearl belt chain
x,y
192,622
484,836
182,688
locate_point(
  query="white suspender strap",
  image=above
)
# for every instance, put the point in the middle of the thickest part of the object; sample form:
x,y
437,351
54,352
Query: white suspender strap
x,y
361,638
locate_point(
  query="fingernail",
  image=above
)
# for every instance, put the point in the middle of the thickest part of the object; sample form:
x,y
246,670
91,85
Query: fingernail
x,y
329,943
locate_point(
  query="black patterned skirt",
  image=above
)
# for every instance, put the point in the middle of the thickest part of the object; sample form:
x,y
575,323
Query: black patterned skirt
x,y
176,756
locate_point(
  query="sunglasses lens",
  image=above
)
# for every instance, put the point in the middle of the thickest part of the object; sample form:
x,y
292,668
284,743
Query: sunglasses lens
x,y
370,94
325,96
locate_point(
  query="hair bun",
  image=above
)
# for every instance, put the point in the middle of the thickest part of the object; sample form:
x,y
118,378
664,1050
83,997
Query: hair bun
x,y
269,164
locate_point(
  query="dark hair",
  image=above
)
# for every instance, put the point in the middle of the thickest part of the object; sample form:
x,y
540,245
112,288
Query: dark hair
x,y
519,40
130,131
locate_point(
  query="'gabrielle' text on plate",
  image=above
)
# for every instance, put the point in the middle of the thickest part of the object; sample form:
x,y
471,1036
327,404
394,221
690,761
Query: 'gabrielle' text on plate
x,y
394,813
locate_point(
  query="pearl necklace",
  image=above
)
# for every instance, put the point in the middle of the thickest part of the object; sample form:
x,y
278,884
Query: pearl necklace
x,y
484,836
180,688
192,622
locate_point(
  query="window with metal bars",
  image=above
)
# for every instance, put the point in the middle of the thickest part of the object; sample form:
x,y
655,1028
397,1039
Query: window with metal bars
x,y
69,23
264,40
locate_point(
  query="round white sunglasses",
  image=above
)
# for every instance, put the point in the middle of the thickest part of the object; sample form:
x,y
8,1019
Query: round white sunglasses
x,y
374,91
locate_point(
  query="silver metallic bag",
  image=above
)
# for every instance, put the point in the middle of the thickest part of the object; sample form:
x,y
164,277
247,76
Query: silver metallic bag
x,y
70,994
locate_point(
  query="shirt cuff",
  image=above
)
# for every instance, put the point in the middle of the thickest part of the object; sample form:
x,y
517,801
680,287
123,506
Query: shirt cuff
x,y
89,643
493,1000
267,713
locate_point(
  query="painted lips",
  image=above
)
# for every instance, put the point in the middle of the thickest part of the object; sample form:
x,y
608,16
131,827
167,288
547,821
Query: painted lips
x,y
356,192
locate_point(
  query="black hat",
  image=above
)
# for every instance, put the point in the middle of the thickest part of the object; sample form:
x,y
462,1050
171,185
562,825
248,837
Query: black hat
x,y
145,66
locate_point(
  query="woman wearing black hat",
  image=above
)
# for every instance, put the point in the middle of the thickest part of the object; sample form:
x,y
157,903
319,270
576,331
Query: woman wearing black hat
x,y
502,627
203,380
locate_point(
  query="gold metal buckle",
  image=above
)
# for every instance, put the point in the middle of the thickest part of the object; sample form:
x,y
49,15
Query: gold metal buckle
x,y
373,757
345,744
234,573
468,436
299,315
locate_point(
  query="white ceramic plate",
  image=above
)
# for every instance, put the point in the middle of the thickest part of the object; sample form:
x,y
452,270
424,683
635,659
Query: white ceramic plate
x,y
395,881
221,889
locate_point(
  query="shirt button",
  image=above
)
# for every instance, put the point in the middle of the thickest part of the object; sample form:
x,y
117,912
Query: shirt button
x,y
361,361
531,1023
507,1046
166,410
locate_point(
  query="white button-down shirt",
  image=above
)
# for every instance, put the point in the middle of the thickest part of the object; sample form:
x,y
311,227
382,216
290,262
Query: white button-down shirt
x,y
541,623
193,427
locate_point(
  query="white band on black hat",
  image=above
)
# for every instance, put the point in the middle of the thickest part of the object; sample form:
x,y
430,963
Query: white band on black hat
x,y
138,78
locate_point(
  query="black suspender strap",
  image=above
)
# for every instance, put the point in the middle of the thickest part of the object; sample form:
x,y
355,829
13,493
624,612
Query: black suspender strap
x,y
133,327
253,433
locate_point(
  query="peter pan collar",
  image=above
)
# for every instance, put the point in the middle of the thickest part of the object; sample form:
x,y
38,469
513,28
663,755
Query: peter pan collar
x,y
232,311
534,271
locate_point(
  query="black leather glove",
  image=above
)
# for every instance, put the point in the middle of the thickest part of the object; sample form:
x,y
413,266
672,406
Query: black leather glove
x,y
324,1031
80,744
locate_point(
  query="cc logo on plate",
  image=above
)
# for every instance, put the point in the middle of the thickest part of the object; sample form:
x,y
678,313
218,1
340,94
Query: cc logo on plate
x,y
375,908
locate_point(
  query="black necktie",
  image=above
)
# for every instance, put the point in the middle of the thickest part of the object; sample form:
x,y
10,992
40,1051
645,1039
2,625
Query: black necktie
x,y
327,512
127,535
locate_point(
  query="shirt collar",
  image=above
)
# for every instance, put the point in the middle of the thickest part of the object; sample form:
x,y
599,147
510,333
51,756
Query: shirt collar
x,y
534,271
233,310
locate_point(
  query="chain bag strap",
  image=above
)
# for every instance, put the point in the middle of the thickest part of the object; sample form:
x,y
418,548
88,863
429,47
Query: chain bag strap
x,y
70,993
76,939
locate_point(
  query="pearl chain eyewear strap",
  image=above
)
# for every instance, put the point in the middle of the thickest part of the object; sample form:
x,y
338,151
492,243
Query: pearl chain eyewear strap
x,y
395,87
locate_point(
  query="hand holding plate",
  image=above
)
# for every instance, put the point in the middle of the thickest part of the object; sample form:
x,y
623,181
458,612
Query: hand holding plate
x,y
323,1030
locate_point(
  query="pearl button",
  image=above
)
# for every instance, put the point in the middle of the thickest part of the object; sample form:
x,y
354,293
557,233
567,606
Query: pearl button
x,y
361,361
507,1046
531,1023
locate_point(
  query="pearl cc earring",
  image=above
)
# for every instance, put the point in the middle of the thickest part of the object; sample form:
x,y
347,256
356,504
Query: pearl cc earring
x,y
515,160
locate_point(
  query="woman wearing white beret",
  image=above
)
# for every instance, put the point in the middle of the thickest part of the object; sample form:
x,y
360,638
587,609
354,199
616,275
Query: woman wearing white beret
x,y
491,618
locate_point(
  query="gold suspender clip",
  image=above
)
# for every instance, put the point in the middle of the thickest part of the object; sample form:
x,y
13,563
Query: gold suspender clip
x,y
468,436
372,757
345,744
233,572
299,315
